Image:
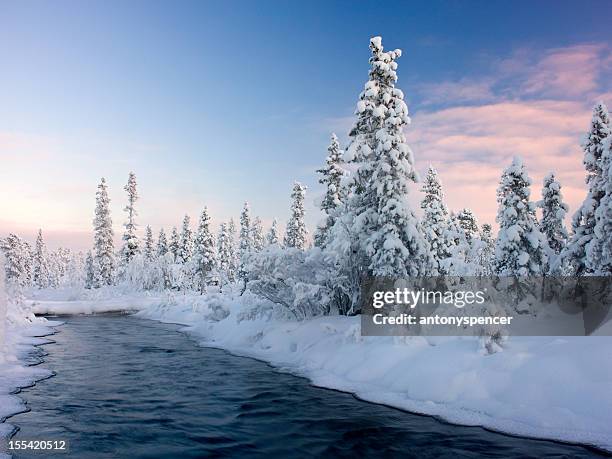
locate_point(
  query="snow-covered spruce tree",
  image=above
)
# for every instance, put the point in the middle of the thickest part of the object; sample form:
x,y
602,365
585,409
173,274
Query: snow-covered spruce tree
x,y
104,251
15,260
233,251
40,270
331,178
521,248
245,242
272,236
469,224
91,275
553,214
175,243
162,243
257,235
396,247
583,223
435,223
130,240
295,235
204,252
149,244
224,255
185,250
486,250
599,250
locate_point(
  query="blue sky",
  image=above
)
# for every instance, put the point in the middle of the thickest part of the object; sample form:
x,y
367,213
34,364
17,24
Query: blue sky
x,y
214,103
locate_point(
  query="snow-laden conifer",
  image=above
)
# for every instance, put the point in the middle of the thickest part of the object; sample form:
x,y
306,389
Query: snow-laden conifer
x,y
91,274
185,249
295,235
469,224
257,235
521,248
435,223
599,249
162,243
104,252
583,223
204,252
175,243
130,239
225,255
149,244
40,271
331,177
554,210
396,245
245,242
272,236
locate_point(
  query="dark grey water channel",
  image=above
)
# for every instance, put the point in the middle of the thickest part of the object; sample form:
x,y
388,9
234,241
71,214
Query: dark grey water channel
x,y
132,388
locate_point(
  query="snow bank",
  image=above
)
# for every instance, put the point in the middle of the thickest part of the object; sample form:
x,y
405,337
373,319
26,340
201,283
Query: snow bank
x,y
14,374
543,387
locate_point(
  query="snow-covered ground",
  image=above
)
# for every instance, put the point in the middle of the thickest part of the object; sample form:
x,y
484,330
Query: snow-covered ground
x,y
15,374
545,387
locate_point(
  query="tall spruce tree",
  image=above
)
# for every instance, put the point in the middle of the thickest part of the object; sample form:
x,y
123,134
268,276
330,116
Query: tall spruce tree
x,y
130,240
553,214
396,245
331,177
521,248
224,255
104,248
296,233
599,250
245,242
584,220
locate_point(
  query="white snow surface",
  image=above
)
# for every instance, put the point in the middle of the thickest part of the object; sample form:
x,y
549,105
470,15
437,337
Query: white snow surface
x,y
544,387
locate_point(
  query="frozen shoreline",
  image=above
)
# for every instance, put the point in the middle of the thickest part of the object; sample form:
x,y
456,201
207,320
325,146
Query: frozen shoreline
x,y
15,374
549,388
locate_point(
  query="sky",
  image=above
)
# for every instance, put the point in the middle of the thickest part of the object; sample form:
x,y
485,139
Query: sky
x,y
214,103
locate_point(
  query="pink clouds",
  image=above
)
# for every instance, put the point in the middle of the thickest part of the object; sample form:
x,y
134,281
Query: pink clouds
x,y
540,111
568,72
471,145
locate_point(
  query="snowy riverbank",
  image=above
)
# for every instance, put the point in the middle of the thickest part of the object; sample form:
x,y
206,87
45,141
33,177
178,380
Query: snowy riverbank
x,y
555,388
15,373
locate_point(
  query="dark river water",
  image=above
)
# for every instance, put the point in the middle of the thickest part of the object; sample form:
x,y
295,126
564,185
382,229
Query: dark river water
x,y
132,388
